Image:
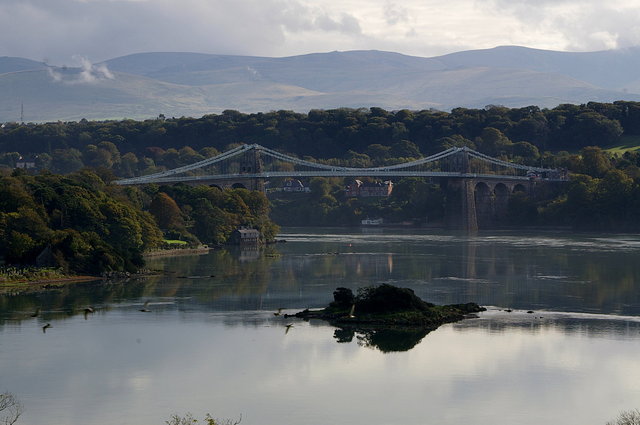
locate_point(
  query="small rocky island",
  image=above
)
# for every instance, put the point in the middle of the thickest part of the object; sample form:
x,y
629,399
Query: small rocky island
x,y
387,305
386,317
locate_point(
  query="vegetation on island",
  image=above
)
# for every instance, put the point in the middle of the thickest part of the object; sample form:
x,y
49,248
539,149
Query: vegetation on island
x,y
386,317
387,305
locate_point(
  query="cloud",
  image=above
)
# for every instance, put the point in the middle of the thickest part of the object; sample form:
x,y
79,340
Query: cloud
x,y
87,73
580,25
103,29
56,76
395,14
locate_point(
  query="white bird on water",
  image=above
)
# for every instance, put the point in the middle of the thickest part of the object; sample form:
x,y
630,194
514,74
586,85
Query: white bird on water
x,y
144,307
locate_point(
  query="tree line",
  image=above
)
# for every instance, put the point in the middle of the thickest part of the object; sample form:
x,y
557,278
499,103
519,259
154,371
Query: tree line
x,y
367,136
569,136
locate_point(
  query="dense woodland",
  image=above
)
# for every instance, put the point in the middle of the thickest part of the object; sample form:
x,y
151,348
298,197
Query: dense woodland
x,y
81,218
80,224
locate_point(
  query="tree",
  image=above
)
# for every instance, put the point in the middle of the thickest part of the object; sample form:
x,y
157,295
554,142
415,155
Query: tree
x,y
592,128
166,212
128,164
10,409
211,224
67,160
580,200
378,152
320,187
405,149
630,417
188,419
492,141
595,162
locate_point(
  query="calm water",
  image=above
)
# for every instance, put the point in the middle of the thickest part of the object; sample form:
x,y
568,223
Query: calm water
x,y
211,342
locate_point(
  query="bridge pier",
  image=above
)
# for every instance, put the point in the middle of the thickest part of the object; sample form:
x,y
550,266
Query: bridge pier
x,y
474,203
460,205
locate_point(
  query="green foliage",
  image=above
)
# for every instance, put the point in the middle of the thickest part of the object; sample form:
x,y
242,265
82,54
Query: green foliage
x,y
521,210
355,136
595,162
16,274
352,137
389,299
412,200
166,212
210,215
72,223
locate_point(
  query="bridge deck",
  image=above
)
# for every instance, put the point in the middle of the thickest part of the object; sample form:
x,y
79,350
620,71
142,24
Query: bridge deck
x,y
459,159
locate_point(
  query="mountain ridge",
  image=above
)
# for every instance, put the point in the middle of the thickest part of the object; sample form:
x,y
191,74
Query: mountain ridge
x,y
144,85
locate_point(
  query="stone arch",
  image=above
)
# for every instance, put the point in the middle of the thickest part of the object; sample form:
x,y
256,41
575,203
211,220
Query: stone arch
x,y
216,186
519,188
501,200
238,186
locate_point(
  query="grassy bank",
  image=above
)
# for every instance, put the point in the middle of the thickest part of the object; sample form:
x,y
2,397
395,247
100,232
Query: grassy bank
x,y
26,279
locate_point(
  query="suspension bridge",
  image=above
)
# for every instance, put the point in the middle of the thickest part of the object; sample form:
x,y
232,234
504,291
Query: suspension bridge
x,y
250,162
478,186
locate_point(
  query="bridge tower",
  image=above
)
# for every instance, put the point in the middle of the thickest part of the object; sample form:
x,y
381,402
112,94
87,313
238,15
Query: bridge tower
x,y
460,195
251,163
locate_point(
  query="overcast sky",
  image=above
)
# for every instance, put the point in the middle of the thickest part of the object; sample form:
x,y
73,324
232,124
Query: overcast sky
x,y
61,31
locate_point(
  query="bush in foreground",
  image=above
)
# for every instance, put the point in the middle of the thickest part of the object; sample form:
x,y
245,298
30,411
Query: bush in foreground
x,y
628,417
188,419
10,409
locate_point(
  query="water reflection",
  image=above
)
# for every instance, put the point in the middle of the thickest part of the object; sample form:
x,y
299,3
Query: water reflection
x,y
496,321
211,342
386,340
550,272
130,368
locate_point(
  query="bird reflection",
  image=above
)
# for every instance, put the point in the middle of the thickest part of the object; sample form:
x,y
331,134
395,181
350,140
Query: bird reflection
x,y
288,328
45,327
36,313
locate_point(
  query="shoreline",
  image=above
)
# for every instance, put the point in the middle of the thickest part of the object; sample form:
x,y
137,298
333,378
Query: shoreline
x,y
22,286
176,252
19,287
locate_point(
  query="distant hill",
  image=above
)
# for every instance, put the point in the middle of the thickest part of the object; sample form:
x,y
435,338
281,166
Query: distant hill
x,y
611,69
9,64
193,84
